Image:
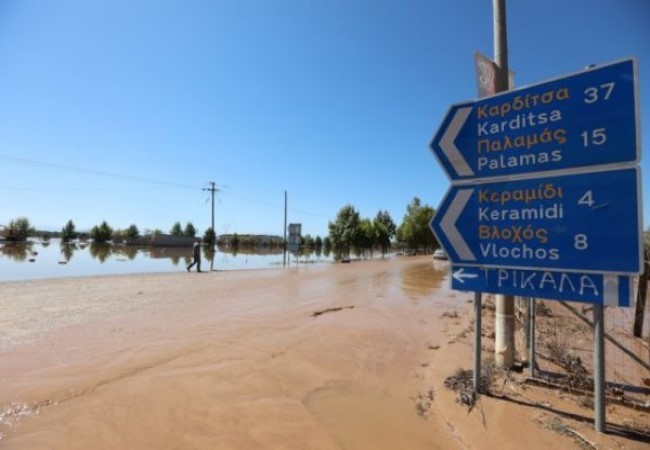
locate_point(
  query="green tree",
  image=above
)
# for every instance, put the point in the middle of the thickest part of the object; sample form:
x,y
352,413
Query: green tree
x,y
189,230
68,232
133,232
384,218
307,241
150,232
366,237
18,229
382,236
176,230
318,243
385,230
414,230
209,237
101,233
344,231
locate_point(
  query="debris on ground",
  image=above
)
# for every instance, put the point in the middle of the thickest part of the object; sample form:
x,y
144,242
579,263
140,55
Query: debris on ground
x,y
328,310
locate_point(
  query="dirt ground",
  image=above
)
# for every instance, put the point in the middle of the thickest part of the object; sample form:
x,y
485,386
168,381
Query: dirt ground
x,y
341,356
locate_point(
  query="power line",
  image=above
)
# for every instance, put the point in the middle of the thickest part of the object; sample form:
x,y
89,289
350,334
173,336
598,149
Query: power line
x,y
81,189
33,162
167,184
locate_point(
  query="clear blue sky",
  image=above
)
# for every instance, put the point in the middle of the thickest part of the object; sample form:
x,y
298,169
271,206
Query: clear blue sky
x,y
124,110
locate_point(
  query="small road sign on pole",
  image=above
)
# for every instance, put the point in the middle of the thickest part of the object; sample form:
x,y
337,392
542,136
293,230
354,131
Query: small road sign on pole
x,y
608,290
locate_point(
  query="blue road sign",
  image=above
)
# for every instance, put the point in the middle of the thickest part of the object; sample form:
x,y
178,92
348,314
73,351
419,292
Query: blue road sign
x,y
610,290
588,119
587,222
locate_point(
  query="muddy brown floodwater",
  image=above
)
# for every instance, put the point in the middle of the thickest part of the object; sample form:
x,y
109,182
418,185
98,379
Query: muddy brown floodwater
x,y
240,361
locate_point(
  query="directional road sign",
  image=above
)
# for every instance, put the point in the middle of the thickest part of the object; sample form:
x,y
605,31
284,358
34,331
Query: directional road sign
x,y
578,223
611,290
588,119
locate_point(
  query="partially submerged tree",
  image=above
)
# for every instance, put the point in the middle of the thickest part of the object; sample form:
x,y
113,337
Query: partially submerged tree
x,y
68,232
133,232
18,229
414,230
101,233
344,231
209,237
385,230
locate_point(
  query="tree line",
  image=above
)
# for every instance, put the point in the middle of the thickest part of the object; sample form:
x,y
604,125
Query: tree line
x,y
19,229
348,232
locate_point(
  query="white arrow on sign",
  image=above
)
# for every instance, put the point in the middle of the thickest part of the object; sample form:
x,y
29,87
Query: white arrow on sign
x,y
460,275
448,225
448,143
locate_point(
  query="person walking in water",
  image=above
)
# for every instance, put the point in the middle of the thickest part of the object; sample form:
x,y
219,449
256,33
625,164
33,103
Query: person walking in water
x,y
196,251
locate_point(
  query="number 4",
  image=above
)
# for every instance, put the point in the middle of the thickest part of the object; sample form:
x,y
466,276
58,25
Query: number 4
x,y
587,199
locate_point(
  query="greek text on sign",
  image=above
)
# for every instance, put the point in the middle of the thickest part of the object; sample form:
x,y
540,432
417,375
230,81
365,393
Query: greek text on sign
x,y
610,290
582,223
589,119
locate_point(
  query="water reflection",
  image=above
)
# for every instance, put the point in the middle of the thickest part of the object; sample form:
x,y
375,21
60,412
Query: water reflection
x,y
56,259
100,251
174,254
129,251
67,250
17,251
420,280
208,255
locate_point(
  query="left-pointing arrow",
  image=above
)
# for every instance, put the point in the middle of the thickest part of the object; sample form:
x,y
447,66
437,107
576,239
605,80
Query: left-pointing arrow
x,y
460,275
448,225
448,143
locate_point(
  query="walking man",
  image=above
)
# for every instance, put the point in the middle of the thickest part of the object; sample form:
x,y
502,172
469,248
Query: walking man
x,y
196,251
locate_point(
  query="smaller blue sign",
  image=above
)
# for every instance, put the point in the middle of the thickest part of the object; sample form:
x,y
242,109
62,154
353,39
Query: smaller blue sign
x,y
610,290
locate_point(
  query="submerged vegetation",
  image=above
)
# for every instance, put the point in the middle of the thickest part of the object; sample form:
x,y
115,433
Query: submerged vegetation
x,y
347,233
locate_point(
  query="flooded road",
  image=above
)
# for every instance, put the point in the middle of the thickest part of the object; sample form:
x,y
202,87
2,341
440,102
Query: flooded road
x,y
320,357
219,360
37,259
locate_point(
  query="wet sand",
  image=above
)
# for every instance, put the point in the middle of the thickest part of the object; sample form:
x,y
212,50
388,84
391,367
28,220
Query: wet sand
x,y
238,360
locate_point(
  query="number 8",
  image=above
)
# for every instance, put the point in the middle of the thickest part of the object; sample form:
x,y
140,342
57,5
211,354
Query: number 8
x,y
580,242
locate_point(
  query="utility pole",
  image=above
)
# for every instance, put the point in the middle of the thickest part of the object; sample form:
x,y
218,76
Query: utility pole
x,y
284,253
212,189
504,345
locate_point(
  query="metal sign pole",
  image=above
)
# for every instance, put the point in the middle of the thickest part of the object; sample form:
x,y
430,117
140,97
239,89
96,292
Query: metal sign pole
x,y
531,339
477,342
599,369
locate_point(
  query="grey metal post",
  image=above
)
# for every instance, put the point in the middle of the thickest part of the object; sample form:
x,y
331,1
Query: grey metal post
x,y
477,342
599,369
504,341
531,339
284,257
500,45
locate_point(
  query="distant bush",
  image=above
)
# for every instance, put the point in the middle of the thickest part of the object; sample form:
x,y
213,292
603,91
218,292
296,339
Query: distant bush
x,y
68,232
189,230
176,230
101,233
18,229
209,237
